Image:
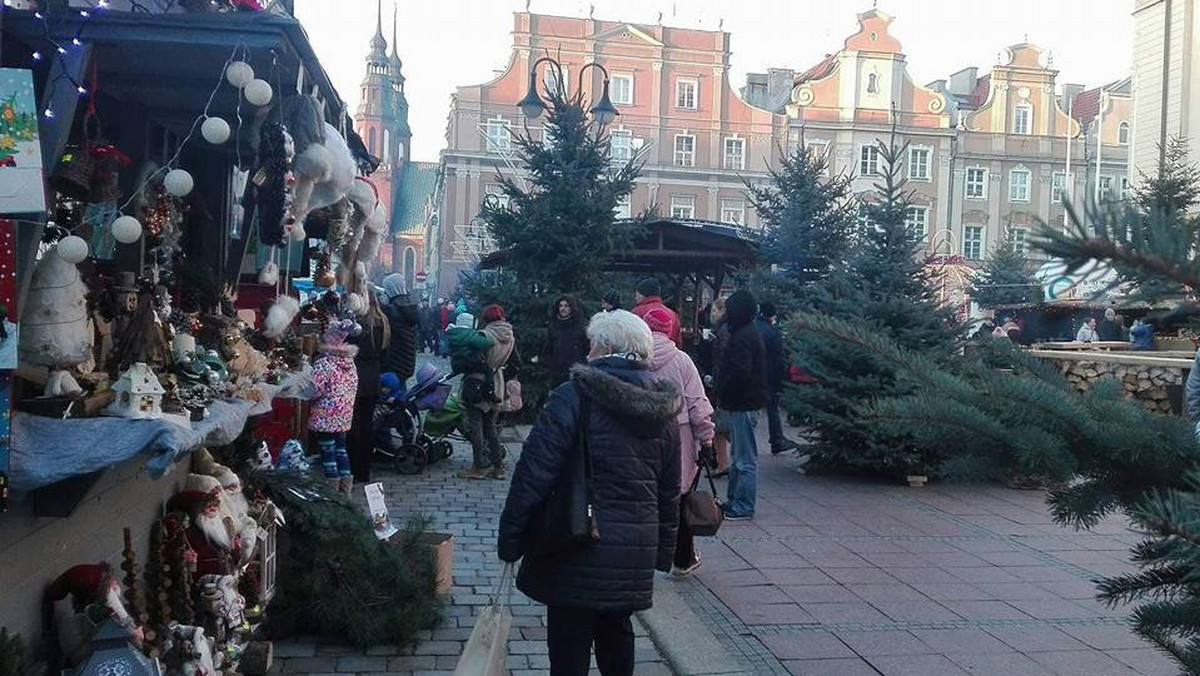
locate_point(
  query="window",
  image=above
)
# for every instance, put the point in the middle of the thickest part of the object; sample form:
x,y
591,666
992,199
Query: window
x,y
624,208
1057,187
1018,185
371,141
973,242
733,211
551,82
1023,119
685,94
620,143
493,191
1105,189
819,149
868,161
917,220
977,178
683,206
621,89
918,163
794,136
1123,133
872,84
499,138
685,150
1020,240
735,153
1126,188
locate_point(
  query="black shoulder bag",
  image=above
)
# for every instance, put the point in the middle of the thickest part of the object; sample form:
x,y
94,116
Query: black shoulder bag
x,y
567,521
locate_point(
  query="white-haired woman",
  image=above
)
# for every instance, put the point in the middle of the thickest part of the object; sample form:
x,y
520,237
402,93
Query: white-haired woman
x,y
628,418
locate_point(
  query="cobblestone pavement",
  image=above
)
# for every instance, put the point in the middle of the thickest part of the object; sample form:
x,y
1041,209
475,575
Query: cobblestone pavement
x,y
844,577
469,510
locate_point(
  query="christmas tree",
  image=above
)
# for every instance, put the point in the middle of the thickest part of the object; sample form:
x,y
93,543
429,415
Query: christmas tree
x,y
808,216
1005,279
884,289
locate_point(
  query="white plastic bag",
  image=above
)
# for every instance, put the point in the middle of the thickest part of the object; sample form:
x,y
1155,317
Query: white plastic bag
x,y
487,650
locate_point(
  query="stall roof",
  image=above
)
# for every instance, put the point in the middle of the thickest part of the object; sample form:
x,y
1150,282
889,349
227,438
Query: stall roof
x,y
676,246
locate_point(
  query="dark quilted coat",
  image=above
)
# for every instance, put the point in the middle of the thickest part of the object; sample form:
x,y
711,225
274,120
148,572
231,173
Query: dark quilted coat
x,y
635,455
401,355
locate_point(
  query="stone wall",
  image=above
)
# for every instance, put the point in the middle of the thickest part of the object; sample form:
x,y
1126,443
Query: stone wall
x,y
1147,384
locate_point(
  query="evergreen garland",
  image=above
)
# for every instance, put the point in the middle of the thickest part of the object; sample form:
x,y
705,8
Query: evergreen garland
x,y
335,578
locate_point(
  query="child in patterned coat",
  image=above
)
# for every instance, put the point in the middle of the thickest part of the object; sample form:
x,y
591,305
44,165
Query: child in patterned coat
x,y
335,381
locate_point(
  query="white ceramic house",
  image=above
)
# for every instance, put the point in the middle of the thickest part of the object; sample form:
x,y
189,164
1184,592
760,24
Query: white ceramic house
x,y
139,394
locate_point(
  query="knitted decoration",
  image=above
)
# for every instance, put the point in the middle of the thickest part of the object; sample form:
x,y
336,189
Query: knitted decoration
x,y
274,181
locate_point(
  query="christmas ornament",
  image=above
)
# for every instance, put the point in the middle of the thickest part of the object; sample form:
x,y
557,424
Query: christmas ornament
x,y
239,74
54,322
107,162
126,229
178,182
258,92
139,394
215,130
72,249
269,274
274,181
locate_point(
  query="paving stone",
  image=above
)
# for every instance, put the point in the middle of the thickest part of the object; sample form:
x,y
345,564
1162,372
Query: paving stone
x,y
284,649
917,665
872,643
961,641
916,611
412,663
1146,661
1082,663
895,591
1000,664
819,593
1107,638
839,613
835,667
357,663
1036,639
806,645
308,665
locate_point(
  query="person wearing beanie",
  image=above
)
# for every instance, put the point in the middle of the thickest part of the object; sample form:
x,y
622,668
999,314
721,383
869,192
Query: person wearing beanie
x,y
482,416
611,300
401,354
331,413
776,370
649,295
566,341
695,421
469,350
741,387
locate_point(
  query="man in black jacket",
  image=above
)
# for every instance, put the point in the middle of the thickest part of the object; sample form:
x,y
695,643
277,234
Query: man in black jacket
x,y
776,369
741,386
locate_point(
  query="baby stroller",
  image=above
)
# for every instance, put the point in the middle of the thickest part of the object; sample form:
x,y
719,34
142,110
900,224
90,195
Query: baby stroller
x,y
413,428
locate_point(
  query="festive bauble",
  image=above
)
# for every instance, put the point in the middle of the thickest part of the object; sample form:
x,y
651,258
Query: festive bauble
x,y
326,279
178,182
215,130
126,229
72,249
258,92
239,74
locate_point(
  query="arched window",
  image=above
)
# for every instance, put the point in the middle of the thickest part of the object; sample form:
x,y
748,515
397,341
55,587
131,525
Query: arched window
x,y
387,146
1123,133
371,141
409,265
873,84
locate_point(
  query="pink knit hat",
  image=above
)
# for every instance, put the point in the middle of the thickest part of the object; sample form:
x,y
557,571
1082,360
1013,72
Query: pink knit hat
x,y
660,320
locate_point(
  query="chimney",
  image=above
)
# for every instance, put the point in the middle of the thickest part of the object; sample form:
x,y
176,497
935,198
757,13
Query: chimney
x,y
963,82
1069,92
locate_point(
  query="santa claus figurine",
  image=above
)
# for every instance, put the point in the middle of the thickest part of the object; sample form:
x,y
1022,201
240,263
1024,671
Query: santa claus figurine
x,y
95,594
211,534
237,508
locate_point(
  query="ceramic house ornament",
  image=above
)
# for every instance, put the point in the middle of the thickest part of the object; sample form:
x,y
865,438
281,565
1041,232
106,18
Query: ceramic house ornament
x,y
139,394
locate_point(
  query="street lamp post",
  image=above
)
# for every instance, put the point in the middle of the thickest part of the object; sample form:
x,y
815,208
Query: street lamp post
x,y
532,105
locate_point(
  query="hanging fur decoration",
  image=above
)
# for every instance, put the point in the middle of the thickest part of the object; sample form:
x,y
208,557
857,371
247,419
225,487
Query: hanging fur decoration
x,y
269,274
280,316
364,200
374,230
341,173
274,182
313,163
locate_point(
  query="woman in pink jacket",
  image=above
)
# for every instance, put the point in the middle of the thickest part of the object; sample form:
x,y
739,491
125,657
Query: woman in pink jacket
x,y
694,419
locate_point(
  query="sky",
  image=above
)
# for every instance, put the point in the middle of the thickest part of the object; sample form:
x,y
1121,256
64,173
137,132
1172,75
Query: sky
x,y
449,43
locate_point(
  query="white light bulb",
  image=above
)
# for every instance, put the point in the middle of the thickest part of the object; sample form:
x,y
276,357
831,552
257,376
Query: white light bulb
x,y
239,74
72,249
126,229
215,130
178,182
258,92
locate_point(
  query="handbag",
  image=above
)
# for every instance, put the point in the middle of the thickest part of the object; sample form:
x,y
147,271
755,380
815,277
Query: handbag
x,y
512,397
475,389
486,651
567,521
701,509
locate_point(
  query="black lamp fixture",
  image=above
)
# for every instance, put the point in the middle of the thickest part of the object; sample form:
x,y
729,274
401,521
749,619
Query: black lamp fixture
x,y
532,106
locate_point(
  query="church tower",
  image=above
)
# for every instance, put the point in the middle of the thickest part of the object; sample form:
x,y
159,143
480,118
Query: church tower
x,y
382,116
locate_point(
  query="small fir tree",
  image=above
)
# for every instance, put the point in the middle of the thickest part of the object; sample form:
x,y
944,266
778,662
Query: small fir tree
x,y
808,216
883,286
1006,279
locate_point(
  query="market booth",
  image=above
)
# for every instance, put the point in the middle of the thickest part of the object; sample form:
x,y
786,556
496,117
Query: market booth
x,y
166,170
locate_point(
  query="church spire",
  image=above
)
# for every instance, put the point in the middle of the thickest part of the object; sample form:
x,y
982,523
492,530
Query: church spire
x,y
378,43
394,59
